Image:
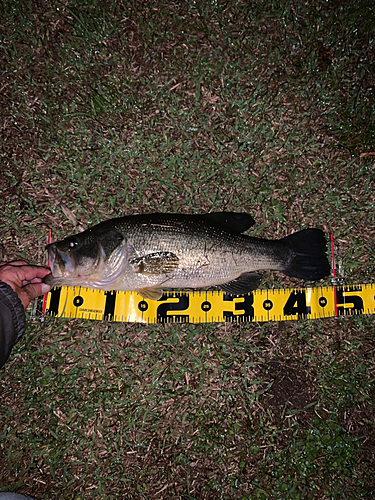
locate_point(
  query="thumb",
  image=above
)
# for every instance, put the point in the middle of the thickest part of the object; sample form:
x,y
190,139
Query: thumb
x,y
30,292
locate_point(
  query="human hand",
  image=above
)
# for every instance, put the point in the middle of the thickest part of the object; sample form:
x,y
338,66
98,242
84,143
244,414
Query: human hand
x,y
24,279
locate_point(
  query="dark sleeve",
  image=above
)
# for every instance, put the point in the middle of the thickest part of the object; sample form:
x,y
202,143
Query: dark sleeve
x,y
12,321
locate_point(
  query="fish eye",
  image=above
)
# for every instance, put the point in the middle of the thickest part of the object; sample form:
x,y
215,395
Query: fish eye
x,y
73,242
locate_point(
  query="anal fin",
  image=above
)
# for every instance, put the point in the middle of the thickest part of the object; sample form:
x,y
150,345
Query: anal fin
x,y
245,283
151,293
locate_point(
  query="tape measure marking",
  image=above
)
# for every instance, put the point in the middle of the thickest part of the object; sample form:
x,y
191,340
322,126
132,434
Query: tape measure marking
x,y
212,306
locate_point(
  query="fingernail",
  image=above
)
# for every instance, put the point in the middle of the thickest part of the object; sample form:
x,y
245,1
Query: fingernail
x,y
45,288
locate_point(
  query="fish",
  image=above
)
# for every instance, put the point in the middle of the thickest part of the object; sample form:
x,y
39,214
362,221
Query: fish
x,y
151,253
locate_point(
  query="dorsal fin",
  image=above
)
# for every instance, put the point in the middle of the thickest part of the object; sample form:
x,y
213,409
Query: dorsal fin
x,y
231,221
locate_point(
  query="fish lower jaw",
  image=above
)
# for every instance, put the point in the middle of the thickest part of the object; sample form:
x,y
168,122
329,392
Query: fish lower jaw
x,y
76,282
52,280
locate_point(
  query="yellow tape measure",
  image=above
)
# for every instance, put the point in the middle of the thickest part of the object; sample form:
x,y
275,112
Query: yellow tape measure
x,y
212,306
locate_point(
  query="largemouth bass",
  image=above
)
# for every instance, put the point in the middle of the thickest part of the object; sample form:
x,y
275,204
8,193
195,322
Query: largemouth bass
x,y
151,253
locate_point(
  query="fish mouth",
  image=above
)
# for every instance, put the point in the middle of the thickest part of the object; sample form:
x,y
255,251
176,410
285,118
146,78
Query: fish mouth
x,y
62,267
51,256
93,271
60,262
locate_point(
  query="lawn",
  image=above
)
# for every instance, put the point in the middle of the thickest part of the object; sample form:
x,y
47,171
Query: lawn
x,y
112,108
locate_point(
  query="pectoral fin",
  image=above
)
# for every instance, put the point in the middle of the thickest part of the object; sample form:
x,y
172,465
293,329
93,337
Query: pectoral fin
x,y
151,293
245,283
156,263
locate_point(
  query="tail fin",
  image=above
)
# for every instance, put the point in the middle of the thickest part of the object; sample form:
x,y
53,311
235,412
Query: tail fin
x,y
309,260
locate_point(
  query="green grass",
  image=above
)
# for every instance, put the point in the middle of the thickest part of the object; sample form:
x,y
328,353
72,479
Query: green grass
x,y
115,108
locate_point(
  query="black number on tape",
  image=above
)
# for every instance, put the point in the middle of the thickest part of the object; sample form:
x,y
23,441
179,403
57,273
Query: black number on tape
x,y
162,315
246,305
110,303
54,302
296,304
354,300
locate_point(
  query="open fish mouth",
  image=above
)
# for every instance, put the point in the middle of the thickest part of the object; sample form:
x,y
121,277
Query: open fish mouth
x,y
51,256
60,262
62,267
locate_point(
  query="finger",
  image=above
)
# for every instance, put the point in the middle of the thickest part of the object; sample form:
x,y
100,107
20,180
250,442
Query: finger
x,y
24,296
37,289
28,273
30,292
16,263
35,280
